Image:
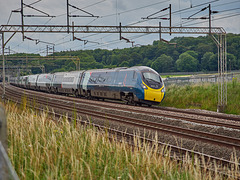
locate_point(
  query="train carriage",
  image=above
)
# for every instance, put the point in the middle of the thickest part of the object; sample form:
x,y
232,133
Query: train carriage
x,y
44,82
66,82
32,81
23,81
13,80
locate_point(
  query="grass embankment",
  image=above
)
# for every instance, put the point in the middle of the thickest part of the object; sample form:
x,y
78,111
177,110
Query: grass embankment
x,y
42,149
203,96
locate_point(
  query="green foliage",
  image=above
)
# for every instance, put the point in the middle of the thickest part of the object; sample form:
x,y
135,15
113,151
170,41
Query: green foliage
x,y
189,54
202,96
124,64
205,61
163,63
213,63
186,62
192,53
232,63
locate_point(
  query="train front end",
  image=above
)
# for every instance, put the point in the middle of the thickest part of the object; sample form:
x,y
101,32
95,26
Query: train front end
x,y
153,86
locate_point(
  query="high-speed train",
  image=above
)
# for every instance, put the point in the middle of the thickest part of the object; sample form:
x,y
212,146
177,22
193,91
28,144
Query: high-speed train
x,y
135,85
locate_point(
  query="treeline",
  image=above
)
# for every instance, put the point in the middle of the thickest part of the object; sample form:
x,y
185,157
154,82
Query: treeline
x,y
190,54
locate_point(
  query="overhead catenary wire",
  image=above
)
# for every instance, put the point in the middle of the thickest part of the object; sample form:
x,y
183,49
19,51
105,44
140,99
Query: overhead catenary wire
x,y
52,17
130,10
82,8
113,14
226,3
173,12
215,19
120,12
115,41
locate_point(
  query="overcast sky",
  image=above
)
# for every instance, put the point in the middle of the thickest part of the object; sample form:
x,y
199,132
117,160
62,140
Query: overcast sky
x,y
111,12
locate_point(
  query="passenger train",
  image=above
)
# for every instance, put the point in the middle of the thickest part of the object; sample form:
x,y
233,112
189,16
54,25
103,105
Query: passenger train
x,y
136,85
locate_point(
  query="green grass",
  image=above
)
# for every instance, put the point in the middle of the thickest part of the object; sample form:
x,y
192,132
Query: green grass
x,y
203,96
169,76
42,149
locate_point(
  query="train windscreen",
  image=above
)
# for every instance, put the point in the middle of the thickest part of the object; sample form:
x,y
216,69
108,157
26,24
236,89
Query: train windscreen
x,y
152,79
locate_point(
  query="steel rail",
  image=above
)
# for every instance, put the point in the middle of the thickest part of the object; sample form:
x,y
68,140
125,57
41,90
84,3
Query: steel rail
x,y
220,116
163,114
220,140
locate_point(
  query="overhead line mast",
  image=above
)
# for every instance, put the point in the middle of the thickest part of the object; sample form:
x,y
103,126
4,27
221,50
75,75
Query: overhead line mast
x,y
217,33
79,9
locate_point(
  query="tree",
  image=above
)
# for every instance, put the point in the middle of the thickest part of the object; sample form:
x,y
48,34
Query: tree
x,y
232,63
206,60
145,61
213,63
202,48
192,53
124,64
114,59
163,63
123,57
187,63
137,58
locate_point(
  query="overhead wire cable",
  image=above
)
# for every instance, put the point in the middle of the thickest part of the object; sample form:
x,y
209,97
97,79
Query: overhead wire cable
x,y
226,3
228,10
9,17
215,19
82,8
117,41
130,10
28,4
175,12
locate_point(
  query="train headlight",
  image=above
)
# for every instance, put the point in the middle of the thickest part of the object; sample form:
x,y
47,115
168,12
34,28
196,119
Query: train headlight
x,y
143,86
163,89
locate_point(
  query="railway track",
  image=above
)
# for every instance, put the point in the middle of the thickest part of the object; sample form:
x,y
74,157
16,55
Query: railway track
x,y
202,118
220,140
71,103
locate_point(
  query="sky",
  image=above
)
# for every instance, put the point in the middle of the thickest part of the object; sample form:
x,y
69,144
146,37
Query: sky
x,y
110,12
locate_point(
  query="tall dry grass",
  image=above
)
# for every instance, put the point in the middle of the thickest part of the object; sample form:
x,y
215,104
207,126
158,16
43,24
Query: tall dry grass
x,y
42,149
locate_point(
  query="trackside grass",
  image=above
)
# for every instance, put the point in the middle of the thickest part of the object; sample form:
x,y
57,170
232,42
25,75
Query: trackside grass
x,y
42,149
203,96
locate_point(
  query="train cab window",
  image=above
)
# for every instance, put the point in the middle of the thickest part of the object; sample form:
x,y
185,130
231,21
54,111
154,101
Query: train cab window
x,y
152,79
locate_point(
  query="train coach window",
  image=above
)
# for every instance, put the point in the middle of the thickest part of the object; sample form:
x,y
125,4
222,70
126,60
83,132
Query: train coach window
x,y
49,78
68,79
101,79
58,78
92,79
126,78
